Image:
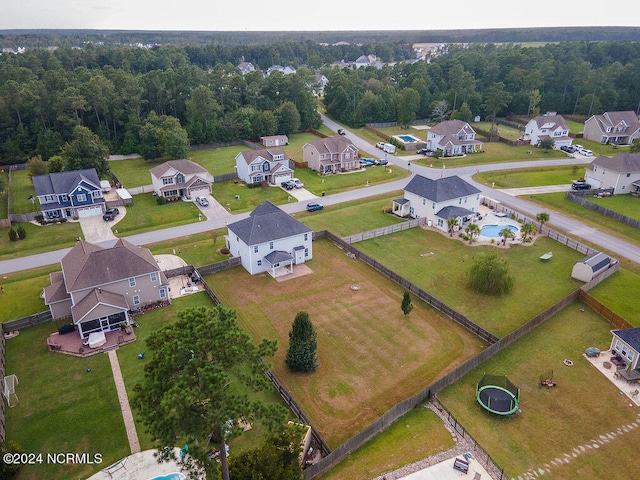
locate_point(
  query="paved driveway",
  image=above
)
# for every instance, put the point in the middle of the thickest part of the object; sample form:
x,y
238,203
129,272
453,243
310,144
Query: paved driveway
x,y
96,230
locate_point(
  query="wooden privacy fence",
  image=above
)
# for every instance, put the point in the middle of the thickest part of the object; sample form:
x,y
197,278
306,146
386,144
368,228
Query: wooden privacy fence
x,y
26,322
581,200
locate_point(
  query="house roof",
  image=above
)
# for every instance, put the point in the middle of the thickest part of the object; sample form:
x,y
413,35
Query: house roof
x,y
451,127
613,119
551,122
631,336
596,260
440,190
453,211
278,256
88,265
250,156
56,292
186,167
337,144
267,223
97,296
274,137
64,182
622,162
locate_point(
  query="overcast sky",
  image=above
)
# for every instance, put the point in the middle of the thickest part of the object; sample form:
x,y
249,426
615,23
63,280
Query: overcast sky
x,y
260,15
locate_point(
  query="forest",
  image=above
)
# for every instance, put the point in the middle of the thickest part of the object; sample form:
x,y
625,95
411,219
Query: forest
x,y
122,93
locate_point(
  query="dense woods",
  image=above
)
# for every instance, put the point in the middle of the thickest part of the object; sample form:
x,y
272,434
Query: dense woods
x,y
126,95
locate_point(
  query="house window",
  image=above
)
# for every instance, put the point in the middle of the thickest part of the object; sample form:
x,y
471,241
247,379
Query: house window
x,y
306,252
440,222
180,178
48,198
306,237
424,201
153,276
618,345
64,198
259,263
171,193
628,175
132,282
97,194
136,299
255,249
271,245
81,197
433,205
163,293
478,196
460,201
167,181
630,356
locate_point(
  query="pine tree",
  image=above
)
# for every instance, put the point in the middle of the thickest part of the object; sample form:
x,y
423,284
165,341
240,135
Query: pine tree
x,y
301,356
406,306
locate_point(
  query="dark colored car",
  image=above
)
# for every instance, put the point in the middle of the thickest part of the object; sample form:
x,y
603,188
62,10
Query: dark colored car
x,y
312,207
289,185
423,151
110,214
580,186
367,162
341,131
382,161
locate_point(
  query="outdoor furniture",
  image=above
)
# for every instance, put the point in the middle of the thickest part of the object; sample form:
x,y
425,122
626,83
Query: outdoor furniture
x,y
97,339
461,465
618,361
592,352
546,256
631,376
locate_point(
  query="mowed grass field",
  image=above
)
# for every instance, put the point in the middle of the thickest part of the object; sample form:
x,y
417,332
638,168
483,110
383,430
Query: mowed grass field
x,y
370,355
565,429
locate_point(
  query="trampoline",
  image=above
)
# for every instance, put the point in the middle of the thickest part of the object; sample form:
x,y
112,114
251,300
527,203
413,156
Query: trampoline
x,y
498,395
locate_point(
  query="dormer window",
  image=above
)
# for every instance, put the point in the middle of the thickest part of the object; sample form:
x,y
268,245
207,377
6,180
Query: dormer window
x,y
266,167
180,178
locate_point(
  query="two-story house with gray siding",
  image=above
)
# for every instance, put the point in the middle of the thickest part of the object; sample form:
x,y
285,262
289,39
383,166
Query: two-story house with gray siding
x,y
268,164
98,286
620,172
269,239
617,128
438,200
76,193
181,178
331,155
453,137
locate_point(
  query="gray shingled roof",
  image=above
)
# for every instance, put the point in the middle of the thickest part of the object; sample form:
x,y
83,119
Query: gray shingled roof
x,y
64,182
267,223
631,336
336,144
622,162
278,256
93,299
440,190
88,265
453,211
451,127
186,167
554,120
267,153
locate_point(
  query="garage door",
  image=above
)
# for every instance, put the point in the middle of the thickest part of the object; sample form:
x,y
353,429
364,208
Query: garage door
x,y
89,211
197,192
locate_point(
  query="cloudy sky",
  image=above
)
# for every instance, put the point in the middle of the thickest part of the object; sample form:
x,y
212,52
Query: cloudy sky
x,y
259,15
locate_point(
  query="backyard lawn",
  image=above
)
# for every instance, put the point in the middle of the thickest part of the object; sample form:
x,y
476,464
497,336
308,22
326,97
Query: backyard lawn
x,y
39,239
217,161
4,195
504,131
439,265
557,426
22,291
21,189
370,355
133,172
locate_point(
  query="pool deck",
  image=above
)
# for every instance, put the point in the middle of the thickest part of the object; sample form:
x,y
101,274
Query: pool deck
x,y
139,466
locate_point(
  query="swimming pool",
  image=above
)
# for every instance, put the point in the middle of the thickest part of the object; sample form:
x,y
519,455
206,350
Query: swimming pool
x,y
170,476
493,231
407,138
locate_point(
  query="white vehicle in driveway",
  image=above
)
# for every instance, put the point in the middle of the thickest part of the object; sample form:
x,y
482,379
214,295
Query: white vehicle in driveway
x,y
297,183
202,201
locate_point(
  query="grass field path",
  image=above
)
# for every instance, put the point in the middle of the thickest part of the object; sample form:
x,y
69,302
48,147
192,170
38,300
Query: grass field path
x,y
127,415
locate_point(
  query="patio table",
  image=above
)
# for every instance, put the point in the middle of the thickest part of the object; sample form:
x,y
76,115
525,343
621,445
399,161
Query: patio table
x,y
631,376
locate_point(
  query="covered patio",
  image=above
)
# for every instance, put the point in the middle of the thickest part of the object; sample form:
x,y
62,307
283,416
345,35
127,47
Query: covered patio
x,y
72,344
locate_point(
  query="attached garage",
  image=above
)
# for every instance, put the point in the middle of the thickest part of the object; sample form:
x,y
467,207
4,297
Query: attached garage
x,y
199,191
90,211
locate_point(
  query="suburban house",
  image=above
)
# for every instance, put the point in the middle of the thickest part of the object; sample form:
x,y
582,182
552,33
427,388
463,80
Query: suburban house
x,y
627,344
321,82
331,155
591,266
549,125
620,172
268,164
246,67
438,201
287,70
368,61
76,193
618,128
269,240
180,178
453,137
274,140
98,286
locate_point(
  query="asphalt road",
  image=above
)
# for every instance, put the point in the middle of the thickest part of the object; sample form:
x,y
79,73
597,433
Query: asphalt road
x,y
575,228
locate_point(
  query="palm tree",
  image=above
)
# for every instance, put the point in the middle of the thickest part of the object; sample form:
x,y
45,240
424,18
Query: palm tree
x,y
472,230
452,223
542,217
505,233
528,229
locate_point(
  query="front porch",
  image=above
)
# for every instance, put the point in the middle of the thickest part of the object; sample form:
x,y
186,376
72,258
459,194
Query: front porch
x,y
72,344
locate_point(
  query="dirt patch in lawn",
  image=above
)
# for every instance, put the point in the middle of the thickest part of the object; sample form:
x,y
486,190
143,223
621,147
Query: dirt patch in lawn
x,y
370,355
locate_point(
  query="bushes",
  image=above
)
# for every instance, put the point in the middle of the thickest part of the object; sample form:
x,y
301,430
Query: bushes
x,y
161,200
17,234
13,235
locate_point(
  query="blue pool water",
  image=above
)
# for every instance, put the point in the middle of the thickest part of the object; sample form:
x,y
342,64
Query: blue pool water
x,y
408,138
493,231
170,476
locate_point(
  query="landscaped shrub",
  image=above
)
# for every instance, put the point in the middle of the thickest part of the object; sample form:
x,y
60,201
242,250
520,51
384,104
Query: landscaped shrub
x,y
224,251
13,235
40,219
161,200
22,233
254,185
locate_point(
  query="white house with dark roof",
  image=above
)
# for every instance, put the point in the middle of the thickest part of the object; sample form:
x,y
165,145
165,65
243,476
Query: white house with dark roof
x,y
453,137
269,239
331,155
627,344
617,128
551,126
438,200
620,172
76,193
98,286
268,164
246,67
178,178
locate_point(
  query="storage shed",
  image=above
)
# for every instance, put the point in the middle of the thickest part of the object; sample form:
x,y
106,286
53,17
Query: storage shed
x,y
590,266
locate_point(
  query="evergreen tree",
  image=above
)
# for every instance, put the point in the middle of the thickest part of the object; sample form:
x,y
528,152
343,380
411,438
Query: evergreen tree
x,y
301,356
406,306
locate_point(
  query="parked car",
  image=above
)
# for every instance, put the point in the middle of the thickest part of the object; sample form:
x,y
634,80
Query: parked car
x,y
288,185
423,151
577,146
568,148
312,207
341,131
367,162
202,201
380,145
297,183
586,152
110,214
580,186
382,161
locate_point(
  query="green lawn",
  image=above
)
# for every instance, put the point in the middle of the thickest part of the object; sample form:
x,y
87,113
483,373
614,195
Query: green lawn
x,y
531,177
236,197
625,204
63,407
341,182
22,291
39,239
504,131
416,435
4,195
145,215
582,408
217,161
439,265
610,294
21,190
575,127
135,172
198,249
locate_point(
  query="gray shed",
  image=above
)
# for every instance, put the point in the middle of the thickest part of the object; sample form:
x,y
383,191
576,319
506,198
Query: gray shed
x,y
590,266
